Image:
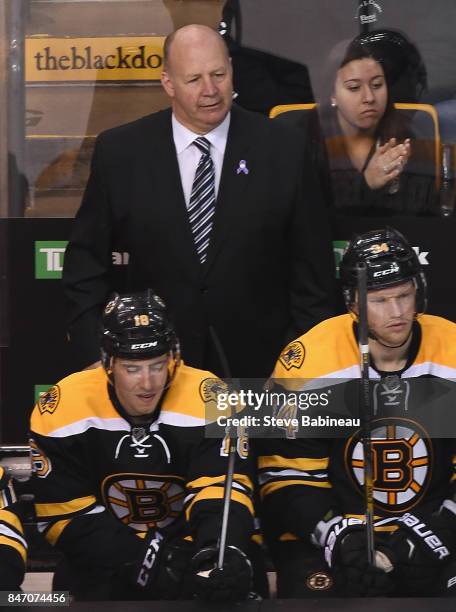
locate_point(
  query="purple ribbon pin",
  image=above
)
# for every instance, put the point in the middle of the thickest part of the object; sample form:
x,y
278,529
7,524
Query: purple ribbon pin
x,y
242,167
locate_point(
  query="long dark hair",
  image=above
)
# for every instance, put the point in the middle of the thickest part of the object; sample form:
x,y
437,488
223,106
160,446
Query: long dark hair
x,y
359,49
403,68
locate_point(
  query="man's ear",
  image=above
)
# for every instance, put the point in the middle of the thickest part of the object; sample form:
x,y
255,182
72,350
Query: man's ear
x,y
167,83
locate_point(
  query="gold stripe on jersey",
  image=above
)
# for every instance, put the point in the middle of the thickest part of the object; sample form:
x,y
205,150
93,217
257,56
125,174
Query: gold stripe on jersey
x,y
11,519
14,544
217,493
62,508
4,499
55,531
206,481
272,487
7,494
276,461
84,403
288,537
11,533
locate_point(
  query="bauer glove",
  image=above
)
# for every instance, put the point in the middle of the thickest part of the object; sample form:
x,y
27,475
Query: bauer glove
x,y
345,547
421,549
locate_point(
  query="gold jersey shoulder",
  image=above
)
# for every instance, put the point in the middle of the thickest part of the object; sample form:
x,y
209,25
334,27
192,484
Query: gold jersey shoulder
x,y
192,396
329,348
438,343
77,397
83,397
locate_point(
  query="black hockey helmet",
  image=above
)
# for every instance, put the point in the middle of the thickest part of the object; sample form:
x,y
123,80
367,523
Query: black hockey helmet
x,y
389,259
136,326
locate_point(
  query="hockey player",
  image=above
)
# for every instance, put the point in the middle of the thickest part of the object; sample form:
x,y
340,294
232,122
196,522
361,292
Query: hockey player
x,y
125,483
312,488
13,547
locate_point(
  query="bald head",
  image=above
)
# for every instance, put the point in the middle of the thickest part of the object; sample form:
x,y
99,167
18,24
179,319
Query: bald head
x,y
189,35
197,76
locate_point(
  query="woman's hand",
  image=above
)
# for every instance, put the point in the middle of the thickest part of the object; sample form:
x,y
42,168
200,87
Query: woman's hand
x,y
387,163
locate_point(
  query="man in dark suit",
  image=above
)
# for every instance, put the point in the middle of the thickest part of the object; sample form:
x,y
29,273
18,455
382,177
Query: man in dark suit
x,y
258,269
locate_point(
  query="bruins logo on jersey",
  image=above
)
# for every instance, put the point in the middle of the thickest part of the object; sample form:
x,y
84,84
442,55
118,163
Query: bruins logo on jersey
x,y
319,581
41,465
293,355
144,501
210,389
49,401
402,463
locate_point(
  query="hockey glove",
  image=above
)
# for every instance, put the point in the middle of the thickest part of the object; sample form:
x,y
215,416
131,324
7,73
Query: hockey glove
x,y
146,570
421,549
345,545
162,566
231,583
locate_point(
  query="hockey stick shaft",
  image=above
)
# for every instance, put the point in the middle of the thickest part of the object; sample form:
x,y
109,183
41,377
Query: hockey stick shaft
x,y
365,412
231,460
226,502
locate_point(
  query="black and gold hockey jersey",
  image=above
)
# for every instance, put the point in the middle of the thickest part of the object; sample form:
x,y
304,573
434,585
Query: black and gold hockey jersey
x,y
100,481
302,479
13,547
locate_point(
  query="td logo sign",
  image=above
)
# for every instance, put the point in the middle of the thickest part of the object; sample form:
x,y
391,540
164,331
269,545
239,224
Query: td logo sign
x,y
49,258
339,247
49,255
40,390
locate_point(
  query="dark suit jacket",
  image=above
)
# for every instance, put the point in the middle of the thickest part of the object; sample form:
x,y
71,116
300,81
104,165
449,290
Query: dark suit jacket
x,y
269,273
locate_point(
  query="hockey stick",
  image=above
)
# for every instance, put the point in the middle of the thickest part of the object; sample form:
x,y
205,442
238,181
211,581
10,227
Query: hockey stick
x,y
231,460
365,410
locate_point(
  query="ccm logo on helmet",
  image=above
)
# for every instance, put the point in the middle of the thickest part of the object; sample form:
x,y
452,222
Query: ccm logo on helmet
x,y
144,345
394,268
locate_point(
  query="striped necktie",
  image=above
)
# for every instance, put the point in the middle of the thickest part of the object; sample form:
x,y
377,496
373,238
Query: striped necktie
x,y
201,207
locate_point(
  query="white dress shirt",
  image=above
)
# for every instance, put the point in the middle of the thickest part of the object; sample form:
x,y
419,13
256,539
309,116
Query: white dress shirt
x,y
188,154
